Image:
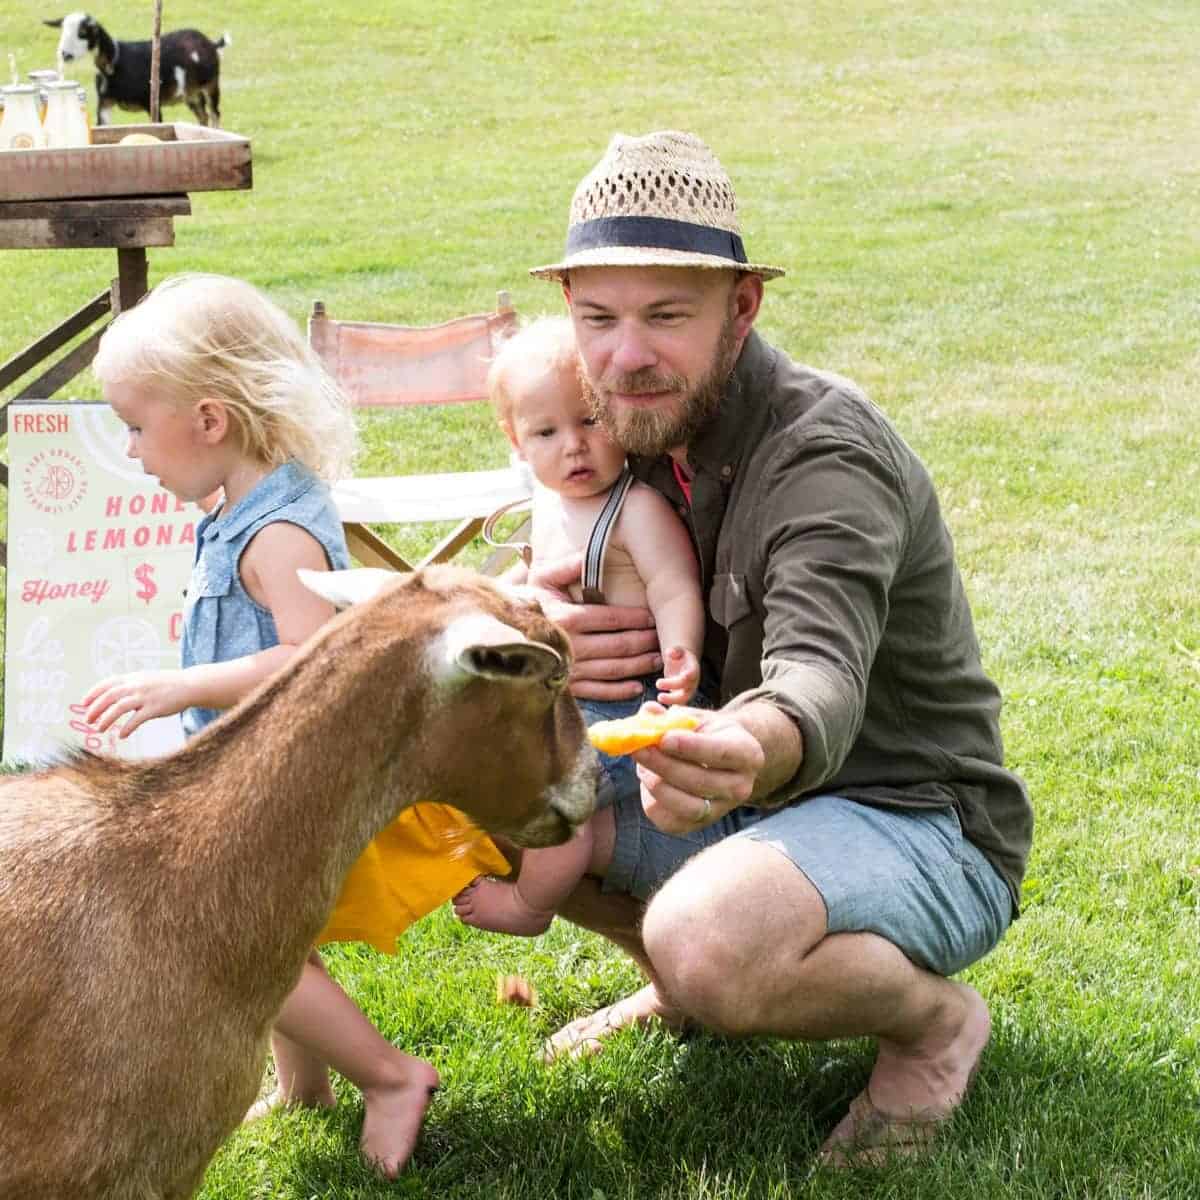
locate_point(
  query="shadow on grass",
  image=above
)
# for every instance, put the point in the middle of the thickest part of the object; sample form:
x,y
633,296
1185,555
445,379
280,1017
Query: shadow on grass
x,y
653,1118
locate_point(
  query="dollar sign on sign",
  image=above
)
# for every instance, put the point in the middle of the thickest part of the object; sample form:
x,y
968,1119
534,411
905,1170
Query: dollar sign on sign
x,y
144,575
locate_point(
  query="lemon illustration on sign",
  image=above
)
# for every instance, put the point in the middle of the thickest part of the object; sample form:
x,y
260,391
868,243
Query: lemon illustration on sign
x,y
140,139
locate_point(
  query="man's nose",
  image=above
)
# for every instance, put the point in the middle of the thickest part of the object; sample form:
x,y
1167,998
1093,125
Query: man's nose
x,y
632,350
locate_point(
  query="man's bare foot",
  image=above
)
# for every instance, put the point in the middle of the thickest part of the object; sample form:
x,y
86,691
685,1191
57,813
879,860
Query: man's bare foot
x,y
585,1035
497,905
931,1077
394,1116
914,1089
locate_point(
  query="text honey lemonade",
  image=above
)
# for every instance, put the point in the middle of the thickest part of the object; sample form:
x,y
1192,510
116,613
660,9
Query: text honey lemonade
x,y
161,534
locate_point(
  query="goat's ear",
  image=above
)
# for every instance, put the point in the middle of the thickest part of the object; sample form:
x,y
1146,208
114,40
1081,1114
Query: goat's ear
x,y
55,24
479,644
344,588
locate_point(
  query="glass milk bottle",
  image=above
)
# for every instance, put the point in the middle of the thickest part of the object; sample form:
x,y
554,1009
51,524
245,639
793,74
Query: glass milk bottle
x,y
83,108
21,126
65,124
39,79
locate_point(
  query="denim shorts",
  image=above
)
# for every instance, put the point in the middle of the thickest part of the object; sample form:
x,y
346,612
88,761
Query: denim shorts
x,y
906,874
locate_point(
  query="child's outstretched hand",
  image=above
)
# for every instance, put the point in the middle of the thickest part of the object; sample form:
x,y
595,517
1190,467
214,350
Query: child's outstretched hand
x,y
681,676
144,695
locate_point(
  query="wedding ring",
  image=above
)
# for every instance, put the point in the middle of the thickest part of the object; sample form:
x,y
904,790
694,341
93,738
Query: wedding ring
x,y
705,812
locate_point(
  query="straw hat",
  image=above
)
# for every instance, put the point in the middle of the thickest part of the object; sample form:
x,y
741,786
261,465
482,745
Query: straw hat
x,y
662,200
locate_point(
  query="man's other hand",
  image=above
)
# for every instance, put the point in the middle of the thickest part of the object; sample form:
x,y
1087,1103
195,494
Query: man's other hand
x,y
614,645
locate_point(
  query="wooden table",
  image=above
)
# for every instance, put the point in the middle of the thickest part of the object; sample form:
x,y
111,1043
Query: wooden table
x,y
128,224
111,194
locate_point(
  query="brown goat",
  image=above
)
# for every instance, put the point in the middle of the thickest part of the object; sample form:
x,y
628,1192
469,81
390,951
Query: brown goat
x,y
154,915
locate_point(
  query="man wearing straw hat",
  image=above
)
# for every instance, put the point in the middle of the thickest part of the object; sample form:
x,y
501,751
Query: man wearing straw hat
x,y
840,836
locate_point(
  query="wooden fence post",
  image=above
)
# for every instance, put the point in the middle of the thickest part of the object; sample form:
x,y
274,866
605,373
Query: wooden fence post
x,y
155,56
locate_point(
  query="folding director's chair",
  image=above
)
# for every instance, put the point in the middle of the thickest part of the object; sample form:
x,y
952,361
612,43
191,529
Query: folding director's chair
x,y
401,365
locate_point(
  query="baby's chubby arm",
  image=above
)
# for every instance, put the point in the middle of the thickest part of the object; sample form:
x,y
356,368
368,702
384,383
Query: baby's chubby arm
x,y
268,570
661,549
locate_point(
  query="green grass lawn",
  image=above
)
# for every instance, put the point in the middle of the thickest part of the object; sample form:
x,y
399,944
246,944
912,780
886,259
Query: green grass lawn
x,y
989,218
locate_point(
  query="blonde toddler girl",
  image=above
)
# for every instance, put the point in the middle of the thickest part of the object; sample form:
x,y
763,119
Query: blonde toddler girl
x,y
221,393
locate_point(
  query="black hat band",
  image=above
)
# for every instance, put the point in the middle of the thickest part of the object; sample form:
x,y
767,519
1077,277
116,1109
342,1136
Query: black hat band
x,y
660,233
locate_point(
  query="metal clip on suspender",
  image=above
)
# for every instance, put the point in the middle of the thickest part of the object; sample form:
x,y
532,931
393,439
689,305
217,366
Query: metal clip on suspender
x,y
597,547
524,549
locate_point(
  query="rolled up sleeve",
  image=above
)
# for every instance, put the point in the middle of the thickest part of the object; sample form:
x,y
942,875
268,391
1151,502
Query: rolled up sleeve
x,y
831,528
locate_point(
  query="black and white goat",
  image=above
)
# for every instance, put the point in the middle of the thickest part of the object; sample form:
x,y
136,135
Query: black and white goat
x,y
189,68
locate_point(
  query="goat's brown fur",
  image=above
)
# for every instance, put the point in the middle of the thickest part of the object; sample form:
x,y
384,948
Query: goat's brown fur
x,y
153,916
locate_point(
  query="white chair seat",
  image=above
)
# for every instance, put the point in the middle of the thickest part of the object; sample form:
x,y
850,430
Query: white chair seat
x,y
415,499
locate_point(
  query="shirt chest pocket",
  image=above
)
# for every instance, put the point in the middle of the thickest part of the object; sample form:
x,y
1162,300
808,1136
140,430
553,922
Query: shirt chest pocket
x,y
731,606
210,583
729,600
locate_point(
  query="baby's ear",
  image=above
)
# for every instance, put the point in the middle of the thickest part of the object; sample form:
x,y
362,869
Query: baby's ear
x,y
512,437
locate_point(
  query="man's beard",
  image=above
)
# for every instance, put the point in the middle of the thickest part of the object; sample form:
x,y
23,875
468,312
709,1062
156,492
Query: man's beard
x,y
651,432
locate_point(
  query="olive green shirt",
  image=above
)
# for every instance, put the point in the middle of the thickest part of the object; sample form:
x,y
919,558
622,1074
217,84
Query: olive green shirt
x,y
833,593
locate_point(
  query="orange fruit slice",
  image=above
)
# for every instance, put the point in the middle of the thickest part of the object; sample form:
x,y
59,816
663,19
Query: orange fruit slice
x,y
628,734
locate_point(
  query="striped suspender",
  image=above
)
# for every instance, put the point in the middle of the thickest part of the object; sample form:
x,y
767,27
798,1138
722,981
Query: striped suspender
x,y
593,559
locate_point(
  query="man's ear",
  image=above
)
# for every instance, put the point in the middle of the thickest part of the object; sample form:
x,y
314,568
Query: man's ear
x,y
745,302
566,287
212,420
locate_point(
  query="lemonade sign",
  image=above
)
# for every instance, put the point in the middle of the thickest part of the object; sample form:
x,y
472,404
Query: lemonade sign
x,y
99,557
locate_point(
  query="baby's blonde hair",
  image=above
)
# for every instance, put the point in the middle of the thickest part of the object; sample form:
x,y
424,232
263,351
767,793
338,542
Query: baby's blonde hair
x,y
213,337
545,345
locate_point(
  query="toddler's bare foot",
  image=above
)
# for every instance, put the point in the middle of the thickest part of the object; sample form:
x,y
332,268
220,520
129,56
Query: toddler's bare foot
x,y
268,1104
394,1117
498,906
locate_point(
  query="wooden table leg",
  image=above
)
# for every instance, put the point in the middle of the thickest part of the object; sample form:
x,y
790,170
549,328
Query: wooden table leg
x,y
132,276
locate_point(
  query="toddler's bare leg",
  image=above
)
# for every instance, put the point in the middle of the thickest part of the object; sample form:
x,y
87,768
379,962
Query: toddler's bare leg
x,y
300,1077
326,1026
526,907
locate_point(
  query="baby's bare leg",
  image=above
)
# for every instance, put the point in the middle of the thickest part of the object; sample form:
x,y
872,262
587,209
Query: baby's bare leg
x,y
526,907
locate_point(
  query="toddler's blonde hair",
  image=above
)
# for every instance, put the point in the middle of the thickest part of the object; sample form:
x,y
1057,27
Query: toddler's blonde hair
x,y
545,345
213,337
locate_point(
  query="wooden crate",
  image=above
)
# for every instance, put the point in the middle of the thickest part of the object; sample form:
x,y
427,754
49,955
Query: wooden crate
x,y
189,158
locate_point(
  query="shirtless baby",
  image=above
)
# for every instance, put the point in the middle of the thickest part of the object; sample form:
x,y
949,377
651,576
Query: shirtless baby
x,y
636,551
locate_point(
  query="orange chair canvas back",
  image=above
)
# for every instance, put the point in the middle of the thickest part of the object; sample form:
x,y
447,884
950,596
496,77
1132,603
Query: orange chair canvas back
x,y
392,365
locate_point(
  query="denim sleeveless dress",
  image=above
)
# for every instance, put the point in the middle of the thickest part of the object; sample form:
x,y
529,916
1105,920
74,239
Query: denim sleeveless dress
x,y
220,619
